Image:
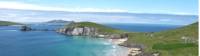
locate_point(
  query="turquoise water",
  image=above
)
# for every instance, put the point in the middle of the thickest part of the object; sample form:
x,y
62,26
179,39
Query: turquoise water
x,y
49,43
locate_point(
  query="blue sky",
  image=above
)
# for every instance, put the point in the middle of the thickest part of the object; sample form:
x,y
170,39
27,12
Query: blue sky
x,y
50,10
134,6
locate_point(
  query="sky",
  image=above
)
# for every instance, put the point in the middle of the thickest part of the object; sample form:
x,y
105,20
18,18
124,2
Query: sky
x,y
183,7
176,12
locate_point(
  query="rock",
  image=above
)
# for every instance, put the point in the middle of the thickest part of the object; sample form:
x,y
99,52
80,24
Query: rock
x,y
81,31
135,51
89,31
25,28
156,54
125,35
100,35
77,31
114,36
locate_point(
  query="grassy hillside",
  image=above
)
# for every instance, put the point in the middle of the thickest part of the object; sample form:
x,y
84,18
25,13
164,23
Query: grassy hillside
x,y
6,23
178,42
101,28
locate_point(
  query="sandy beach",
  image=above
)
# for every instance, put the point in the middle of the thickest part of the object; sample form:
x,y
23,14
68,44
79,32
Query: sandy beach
x,y
119,50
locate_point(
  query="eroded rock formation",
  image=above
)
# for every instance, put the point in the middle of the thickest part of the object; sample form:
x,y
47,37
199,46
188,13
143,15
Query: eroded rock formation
x,y
89,31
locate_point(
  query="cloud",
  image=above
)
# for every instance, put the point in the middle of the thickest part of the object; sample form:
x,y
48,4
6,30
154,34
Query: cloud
x,y
26,6
42,16
13,4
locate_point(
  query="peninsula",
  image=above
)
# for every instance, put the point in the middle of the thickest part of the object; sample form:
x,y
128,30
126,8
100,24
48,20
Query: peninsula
x,y
7,23
177,42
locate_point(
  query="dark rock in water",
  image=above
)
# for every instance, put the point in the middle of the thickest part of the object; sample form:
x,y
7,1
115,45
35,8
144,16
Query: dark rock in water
x,y
25,28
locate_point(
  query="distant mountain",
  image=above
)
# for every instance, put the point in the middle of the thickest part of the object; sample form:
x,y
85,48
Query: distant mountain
x,y
7,23
58,21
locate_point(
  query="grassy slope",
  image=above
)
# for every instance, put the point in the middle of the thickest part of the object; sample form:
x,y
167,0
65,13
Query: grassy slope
x,y
101,28
6,23
169,43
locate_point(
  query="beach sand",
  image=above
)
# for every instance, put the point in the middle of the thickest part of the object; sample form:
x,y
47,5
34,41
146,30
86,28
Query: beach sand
x,y
119,50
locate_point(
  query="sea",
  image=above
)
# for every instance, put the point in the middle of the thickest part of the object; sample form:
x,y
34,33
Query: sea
x,y
14,42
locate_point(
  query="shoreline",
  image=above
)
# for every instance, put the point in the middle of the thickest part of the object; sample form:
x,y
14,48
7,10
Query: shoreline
x,y
123,51
128,51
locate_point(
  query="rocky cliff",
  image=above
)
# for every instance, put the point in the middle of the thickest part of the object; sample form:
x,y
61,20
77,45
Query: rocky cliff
x,y
84,31
92,29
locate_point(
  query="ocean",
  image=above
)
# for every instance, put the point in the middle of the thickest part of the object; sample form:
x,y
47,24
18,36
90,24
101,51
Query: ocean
x,y
143,27
49,43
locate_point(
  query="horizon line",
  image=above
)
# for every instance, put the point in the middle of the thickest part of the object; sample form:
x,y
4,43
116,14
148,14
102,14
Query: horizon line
x,y
100,12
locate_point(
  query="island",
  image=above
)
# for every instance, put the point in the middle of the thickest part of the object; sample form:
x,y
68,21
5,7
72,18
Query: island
x,y
7,23
58,21
182,41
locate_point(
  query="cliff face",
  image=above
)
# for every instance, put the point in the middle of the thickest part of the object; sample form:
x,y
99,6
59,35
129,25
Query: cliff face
x,y
81,31
74,30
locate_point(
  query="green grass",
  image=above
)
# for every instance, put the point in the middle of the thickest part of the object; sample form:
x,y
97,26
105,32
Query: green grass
x,y
6,23
173,46
101,28
168,43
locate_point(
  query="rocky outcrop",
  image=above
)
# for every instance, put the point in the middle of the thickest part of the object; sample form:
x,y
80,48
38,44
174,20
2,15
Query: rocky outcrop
x,y
138,50
89,31
134,51
81,31
25,28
